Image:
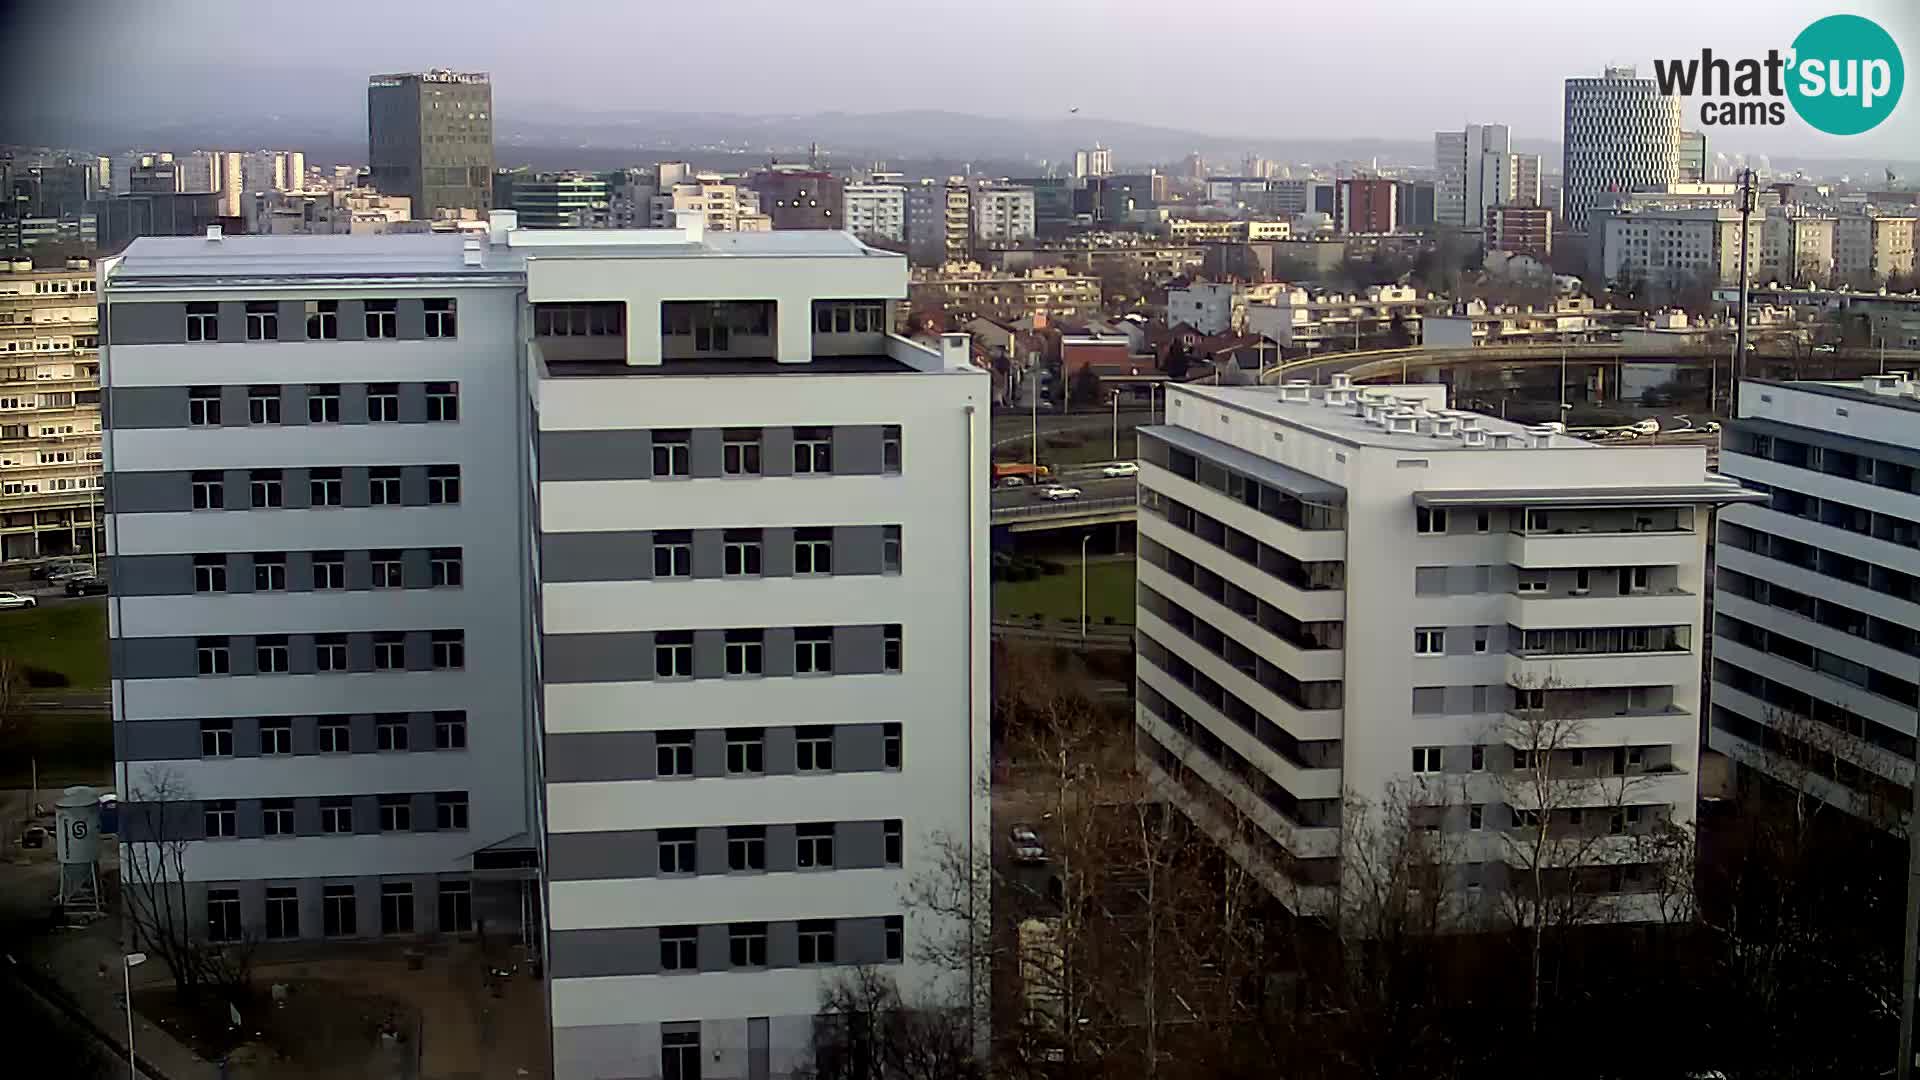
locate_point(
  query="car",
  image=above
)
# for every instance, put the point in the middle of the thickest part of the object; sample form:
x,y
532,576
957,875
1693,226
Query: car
x,y
15,600
1121,468
1713,425
86,585
1825,349
1061,494
45,571
1013,481
72,570
1027,847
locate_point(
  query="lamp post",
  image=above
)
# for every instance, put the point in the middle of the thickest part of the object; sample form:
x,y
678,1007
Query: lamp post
x,y
1083,590
127,963
1116,425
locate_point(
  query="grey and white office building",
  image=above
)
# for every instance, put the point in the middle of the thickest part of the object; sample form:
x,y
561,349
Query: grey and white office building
x,y
1816,649
642,565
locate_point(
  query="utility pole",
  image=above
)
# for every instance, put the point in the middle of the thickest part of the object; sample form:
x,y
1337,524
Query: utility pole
x,y
1033,394
1740,332
1910,954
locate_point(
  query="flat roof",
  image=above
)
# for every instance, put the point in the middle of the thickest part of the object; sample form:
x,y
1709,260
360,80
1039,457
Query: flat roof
x,y
1342,424
1852,391
819,365
1272,473
1687,494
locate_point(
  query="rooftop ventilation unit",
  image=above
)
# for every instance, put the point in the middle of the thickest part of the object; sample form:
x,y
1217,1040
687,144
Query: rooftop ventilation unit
x,y
470,251
1341,381
1503,439
1473,437
1296,390
1444,427
1891,384
1541,434
1376,413
1402,423
213,234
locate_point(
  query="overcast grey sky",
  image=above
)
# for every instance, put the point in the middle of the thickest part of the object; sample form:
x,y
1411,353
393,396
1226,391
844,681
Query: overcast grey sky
x,y
1273,68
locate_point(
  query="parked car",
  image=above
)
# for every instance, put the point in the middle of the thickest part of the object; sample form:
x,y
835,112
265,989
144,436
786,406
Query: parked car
x,y
1060,494
45,571
86,585
68,572
1027,847
1121,468
15,600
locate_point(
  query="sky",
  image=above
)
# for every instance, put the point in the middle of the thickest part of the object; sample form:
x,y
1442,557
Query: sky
x,y
1262,68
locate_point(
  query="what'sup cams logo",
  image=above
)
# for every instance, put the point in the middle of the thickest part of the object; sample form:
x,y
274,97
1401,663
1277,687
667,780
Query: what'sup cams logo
x,y
1843,76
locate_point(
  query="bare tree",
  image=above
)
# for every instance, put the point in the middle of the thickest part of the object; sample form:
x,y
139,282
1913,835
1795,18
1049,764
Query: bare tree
x,y
154,888
865,1030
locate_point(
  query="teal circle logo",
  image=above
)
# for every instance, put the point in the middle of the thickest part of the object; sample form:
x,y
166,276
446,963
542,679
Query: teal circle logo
x,y
1846,75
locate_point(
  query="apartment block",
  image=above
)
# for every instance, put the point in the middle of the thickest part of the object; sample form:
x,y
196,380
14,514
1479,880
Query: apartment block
x,y
726,206
1869,248
49,411
876,210
1817,609
625,599
1002,215
1677,245
1359,592
1522,230
1796,246
1046,292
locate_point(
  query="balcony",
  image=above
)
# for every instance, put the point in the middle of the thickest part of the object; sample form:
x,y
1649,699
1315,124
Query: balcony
x,y
1672,607
1583,547
1603,656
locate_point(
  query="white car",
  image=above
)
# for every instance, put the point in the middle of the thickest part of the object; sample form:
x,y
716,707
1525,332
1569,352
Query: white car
x,y
1061,494
15,600
1027,847
1121,468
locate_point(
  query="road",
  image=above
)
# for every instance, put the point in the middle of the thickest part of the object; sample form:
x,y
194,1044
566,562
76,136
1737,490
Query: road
x,y
1088,479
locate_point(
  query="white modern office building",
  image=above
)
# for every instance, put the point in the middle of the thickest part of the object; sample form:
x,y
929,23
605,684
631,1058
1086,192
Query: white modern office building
x,y
1475,170
1622,134
1347,592
629,583
876,210
1816,647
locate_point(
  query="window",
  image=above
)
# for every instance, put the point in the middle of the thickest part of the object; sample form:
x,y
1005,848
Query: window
x,y
813,551
1482,521
740,452
815,846
893,834
742,553
210,653
276,736
678,853
890,449
1476,816
390,731
746,751
1429,641
813,749
216,738
389,651
1582,582
443,484
263,320
330,652
449,731
1529,699
1430,520
1426,759
396,813
456,907
383,403
270,655
744,650
387,568
336,911
209,573
892,648
1479,758
673,753
449,650
323,403
223,915
816,941
1524,760
672,453
283,913
203,322
329,570
672,554
222,819
326,487
890,549
812,450
680,1054
450,810
1633,579
679,948
673,654
383,486
747,945
323,320
896,938
1532,582
264,489
203,406
440,318
396,907
263,405
208,491
383,318
1480,640
446,568
746,848
334,735
443,402
269,571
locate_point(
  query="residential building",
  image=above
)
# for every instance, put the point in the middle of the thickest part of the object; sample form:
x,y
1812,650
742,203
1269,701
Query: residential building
x,y
1477,170
1520,230
1678,245
1868,248
1209,307
563,201
1797,246
1367,204
1095,162
1002,215
1817,605
1236,191
430,138
1043,293
939,222
727,206
1622,134
706,737
1052,201
800,198
1297,319
1354,596
1694,165
336,212
875,211
49,411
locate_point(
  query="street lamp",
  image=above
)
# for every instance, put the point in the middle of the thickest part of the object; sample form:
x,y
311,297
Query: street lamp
x,y
1116,425
1083,590
127,964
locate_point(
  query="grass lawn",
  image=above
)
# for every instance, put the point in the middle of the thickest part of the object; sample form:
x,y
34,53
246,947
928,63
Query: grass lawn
x,y
68,637
69,747
1109,593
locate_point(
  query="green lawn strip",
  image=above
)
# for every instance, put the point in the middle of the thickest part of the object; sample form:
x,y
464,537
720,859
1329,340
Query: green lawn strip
x,y
1109,593
68,748
70,638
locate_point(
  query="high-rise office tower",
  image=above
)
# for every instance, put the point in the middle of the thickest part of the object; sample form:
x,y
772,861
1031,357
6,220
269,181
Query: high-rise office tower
x,y
430,138
1622,134
1476,170
631,600
1095,162
1693,165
